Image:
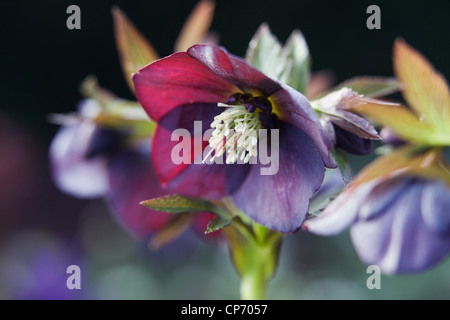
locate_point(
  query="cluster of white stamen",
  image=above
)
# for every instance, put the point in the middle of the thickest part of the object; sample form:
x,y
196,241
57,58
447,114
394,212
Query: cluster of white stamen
x,y
236,133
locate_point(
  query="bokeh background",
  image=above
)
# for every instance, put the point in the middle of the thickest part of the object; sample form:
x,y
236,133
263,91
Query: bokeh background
x,y
42,231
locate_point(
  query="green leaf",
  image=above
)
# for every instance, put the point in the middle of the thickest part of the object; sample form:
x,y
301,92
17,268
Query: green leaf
x,y
343,165
297,62
289,64
179,204
371,86
134,49
196,27
216,224
117,113
264,52
406,160
91,89
404,123
425,89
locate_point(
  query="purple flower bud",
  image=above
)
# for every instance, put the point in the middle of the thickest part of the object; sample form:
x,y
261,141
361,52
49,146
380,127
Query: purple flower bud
x,y
400,224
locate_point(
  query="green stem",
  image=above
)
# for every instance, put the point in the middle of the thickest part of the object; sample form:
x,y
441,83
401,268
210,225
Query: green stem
x,y
254,277
254,285
254,251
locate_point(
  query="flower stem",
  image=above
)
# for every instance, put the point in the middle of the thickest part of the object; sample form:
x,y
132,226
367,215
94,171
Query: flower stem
x,y
254,285
254,251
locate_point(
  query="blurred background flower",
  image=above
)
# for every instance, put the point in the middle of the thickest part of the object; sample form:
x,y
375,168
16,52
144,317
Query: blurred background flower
x,y
41,68
398,206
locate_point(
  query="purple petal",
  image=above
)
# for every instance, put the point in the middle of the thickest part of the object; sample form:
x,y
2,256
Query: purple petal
x,y
341,213
390,137
280,201
295,109
234,69
195,179
182,117
104,142
352,143
177,80
72,172
398,240
210,181
132,180
354,123
381,197
332,183
436,207
371,239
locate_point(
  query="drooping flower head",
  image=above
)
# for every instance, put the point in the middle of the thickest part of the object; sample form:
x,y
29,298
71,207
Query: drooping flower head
x,y
345,128
224,92
399,206
97,153
398,209
73,155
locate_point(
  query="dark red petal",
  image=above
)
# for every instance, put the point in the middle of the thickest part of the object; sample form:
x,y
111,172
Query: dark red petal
x,y
177,80
182,117
295,109
234,69
280,201
194,179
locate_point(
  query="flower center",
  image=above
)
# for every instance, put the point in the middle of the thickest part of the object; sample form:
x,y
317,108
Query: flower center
x,y
236,129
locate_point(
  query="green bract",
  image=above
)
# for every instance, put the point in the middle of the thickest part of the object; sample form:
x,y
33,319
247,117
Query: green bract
x,y
427,121
289,64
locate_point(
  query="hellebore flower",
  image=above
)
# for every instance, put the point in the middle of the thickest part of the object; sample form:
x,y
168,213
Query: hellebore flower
x,y
403,224
400,219
75,156
399,206
90,159
208,84
345,128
